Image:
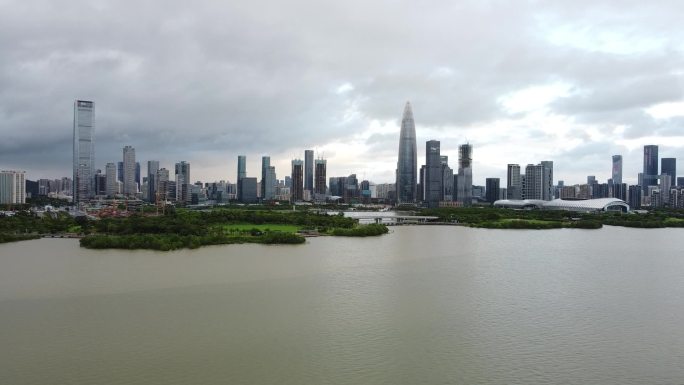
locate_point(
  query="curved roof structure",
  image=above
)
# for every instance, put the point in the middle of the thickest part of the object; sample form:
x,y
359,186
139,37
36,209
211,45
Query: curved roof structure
x,y
585,205
599,204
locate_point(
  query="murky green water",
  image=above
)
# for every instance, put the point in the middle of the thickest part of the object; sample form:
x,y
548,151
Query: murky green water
x,y
423,305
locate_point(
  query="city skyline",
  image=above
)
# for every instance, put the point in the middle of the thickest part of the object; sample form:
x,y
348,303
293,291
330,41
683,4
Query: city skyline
x,y
568,83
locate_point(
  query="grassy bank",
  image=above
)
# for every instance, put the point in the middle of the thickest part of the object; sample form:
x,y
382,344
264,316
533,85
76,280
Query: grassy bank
x,y
6,238
361,231
165,242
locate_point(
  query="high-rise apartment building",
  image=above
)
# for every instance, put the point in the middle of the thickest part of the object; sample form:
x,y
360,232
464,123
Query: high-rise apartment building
x,y
407,164
84,150
617,169
432,187
297,189
669,166
12,187
534,182
514,183
320,166
650,174
309,170
129,185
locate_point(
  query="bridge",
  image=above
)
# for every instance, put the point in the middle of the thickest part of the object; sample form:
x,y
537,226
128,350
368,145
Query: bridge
x,y
399,219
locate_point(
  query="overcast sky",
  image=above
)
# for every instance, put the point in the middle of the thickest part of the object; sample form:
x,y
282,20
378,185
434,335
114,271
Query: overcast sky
x,y
204,81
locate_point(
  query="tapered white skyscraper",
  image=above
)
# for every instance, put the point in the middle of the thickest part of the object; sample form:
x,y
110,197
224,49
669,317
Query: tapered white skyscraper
x,y
407,164
84,150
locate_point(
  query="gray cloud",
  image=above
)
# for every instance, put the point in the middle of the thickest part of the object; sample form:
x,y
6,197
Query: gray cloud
x,y
204,81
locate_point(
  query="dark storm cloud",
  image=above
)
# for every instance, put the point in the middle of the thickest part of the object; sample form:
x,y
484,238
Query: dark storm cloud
x,y
208,80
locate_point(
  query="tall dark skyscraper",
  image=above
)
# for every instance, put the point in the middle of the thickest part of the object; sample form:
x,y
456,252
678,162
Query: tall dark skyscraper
x,y
650,174
84,150
320,173
152,169
268,182
241,172
297,189
407,164
669,166
464,179
617,169
309,170
433,173
492,189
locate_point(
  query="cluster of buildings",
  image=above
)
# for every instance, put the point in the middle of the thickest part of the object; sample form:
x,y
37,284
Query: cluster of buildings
x,y
434,184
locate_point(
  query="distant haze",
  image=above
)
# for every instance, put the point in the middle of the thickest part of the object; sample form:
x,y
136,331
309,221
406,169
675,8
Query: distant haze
x,y
204,81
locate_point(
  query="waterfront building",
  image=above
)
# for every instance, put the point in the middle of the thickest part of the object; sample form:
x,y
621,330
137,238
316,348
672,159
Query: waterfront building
x,y
664,185
320,166
100,183
617,169
241,170
182,171
268,180
309,170
84,150
650,172
547,180
130,189
620,191
533,187
669,166
407,163
111,175
432,178
152,169
492,189
635,196
12,187
464,185
248,190
447,180
514,182
163,185
297,189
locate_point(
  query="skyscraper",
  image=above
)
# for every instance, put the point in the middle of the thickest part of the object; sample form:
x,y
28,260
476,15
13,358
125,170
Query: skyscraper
x,y
297,189
112,184
320,174
309,170
129,171
650,174
152,168
492,189
669,166
534,182
547,180
617,169
464,187
407,163
84,150
433,173
241,171
267,179
447,180
514,183
183,181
